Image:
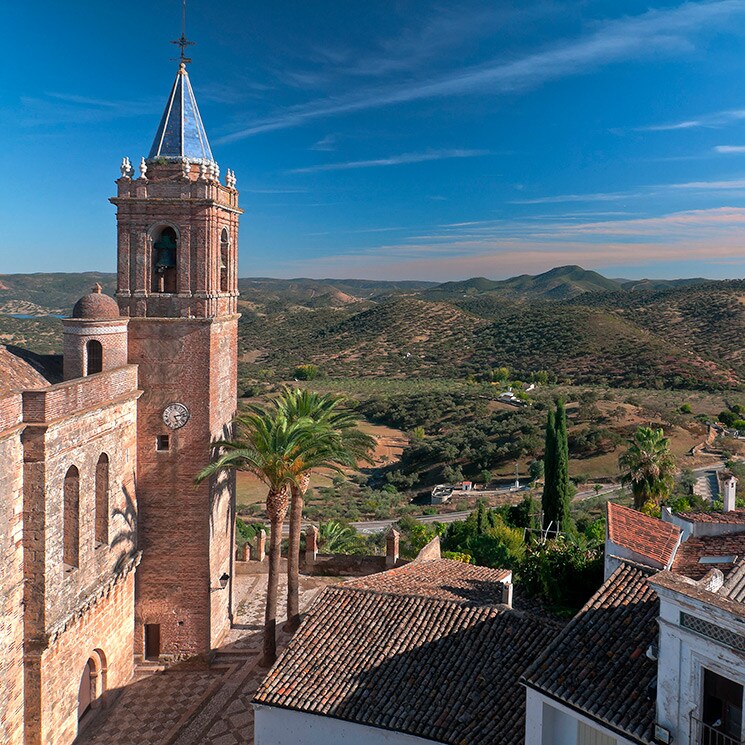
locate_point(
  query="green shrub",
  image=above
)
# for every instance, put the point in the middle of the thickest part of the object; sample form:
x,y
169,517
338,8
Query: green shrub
x,y
305,372
562,573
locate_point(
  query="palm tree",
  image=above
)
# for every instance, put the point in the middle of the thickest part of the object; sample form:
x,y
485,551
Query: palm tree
x,y
335,537
276,451
340,444
648,466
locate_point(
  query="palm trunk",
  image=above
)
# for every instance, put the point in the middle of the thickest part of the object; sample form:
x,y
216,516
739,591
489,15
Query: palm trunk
x,y
276,507
293,553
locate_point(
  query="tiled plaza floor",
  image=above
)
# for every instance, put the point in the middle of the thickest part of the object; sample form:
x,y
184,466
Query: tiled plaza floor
x,y
186,705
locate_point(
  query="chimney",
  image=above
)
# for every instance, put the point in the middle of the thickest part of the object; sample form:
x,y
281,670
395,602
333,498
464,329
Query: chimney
x,y
391,548
311,546
507,594
730,489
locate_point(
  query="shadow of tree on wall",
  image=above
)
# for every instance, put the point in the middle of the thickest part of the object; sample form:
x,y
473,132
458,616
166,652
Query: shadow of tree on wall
x,y
127,536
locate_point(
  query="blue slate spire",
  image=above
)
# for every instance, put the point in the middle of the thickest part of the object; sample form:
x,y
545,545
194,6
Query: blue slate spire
x,y
181,133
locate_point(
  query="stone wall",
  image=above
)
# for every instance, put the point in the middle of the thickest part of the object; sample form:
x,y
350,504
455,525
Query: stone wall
x,y
103,633
53,443
73,609
11,571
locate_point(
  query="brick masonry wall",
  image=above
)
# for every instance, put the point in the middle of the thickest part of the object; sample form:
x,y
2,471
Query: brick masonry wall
x,y
111,334
80,440
105,632
185,345
73,424
11,571
223,403
74,396
174,580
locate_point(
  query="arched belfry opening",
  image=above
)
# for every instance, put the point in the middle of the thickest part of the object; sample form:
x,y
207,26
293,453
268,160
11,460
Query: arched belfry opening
x,y
165,248
224,260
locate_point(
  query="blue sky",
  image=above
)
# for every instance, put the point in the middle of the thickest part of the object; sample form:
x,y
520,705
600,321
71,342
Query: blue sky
x,y
395,139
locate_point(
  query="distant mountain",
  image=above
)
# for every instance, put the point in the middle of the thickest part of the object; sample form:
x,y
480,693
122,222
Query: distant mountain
x,y
323,292
57,292
579,325
556,284
659,284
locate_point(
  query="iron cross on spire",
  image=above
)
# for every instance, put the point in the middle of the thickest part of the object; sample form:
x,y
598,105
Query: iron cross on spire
x,y
183,42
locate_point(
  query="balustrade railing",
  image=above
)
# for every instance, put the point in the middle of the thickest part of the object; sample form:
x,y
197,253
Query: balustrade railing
x,y
707,734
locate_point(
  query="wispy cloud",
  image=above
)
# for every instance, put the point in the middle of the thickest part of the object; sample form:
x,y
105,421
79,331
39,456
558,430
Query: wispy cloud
x,y
325,144
71,108
713,185
507,248
730,149
713,120
653,32
394,160
610,196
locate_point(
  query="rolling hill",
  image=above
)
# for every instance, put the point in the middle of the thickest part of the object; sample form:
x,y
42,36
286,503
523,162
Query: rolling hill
x,y
579,325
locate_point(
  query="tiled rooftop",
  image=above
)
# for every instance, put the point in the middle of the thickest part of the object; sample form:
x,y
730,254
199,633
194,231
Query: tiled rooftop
x,y
419,650
647,536
733,517
443,579
698,591
598,663
734,586
688,558
23,370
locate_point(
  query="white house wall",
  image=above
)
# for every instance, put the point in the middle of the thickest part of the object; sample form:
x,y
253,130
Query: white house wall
x,y
548,722
275,726
615,555
682,654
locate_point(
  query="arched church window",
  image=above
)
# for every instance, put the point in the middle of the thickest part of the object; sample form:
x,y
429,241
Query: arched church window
x,y
94,357
224,260
71,518
164,261
102,500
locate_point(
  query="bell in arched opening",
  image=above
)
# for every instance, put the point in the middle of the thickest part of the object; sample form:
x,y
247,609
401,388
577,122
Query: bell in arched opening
x,y
164,261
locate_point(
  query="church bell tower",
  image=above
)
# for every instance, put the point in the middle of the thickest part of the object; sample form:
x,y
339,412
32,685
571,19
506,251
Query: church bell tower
x,y
178,285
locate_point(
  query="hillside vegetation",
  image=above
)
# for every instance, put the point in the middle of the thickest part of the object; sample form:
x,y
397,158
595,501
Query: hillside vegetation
x,y
583,328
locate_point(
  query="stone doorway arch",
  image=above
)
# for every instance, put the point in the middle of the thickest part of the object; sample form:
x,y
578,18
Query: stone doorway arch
x,y
92,690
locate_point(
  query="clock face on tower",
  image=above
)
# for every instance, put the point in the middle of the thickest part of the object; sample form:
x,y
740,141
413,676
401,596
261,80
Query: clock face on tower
x,y
176,415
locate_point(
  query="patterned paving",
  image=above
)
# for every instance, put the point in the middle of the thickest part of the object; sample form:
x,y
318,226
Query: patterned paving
x,y
207,706
149,709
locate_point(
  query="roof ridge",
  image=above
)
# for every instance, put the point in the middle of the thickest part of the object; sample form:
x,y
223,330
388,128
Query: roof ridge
x,y
390,593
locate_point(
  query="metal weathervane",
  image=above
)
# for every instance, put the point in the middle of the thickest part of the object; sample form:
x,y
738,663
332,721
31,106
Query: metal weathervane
x,y
183,42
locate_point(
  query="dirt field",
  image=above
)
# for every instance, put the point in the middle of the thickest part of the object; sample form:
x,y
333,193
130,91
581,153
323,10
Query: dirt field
x,y
249,490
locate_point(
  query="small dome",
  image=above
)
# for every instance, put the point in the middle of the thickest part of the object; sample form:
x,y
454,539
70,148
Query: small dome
x,y
96,305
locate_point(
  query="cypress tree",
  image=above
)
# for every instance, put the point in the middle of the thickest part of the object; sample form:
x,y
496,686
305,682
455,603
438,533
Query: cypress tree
x,y
548,499
481,518
563,490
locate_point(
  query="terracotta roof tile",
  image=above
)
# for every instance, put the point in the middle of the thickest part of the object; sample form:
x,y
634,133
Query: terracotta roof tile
x,y
734,586
733,517
598,663
647,536
23,370
443,579
418,650
688,558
